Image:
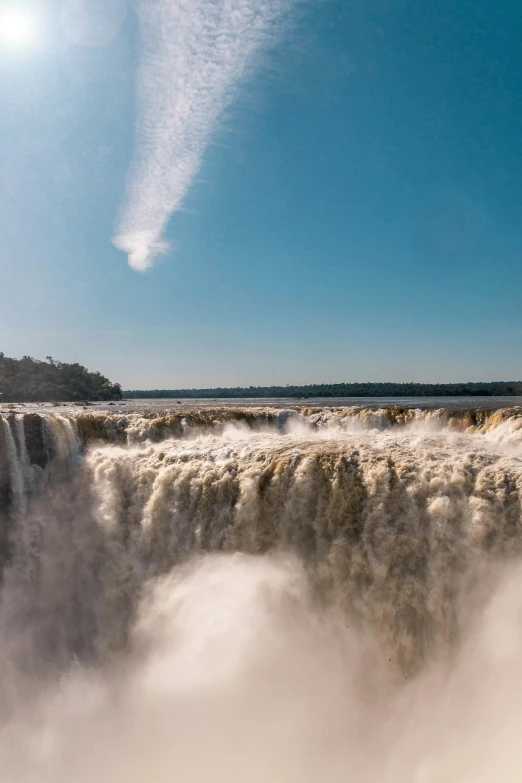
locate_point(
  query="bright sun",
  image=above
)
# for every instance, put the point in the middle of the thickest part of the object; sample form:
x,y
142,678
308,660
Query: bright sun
x,y
17,27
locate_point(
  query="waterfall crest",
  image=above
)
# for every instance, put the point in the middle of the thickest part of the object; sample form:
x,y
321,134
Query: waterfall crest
x,y
396,514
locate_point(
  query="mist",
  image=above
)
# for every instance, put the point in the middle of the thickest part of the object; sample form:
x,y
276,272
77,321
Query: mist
x,y
235,674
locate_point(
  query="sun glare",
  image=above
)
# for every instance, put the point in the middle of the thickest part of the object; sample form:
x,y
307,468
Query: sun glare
x,y
18,27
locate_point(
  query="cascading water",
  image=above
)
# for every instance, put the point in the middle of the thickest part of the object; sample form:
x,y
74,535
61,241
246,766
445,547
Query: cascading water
x,y
14,462
321,574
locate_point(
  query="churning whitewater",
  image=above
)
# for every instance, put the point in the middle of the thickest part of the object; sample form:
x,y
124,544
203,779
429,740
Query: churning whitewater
x,y
289,595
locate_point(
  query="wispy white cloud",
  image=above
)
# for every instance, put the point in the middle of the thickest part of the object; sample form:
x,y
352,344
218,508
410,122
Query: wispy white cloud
x,y
195,53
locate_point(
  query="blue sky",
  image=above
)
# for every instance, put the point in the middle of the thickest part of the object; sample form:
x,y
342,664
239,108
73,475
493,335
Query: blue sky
x,y
357,215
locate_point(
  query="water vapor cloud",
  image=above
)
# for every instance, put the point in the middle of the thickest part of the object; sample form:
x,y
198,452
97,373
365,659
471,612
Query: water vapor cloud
x,y
195,53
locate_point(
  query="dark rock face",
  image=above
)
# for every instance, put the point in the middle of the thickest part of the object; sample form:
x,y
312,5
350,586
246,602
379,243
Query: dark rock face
x,y
4,472
35,440
39,448
5,486
5,500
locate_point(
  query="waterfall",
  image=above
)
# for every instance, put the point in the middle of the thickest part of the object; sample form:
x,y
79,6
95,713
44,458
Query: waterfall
x,y
395,513
15,463
332,581
25,454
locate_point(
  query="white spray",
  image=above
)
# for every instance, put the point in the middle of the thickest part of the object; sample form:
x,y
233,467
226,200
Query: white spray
x,y
233,675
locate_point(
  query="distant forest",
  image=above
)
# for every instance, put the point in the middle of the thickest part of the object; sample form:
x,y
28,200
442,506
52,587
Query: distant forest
x,y
473,389
30,380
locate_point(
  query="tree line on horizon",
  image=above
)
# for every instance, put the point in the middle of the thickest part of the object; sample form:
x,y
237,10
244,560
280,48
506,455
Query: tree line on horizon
x,y
468,389
31,380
